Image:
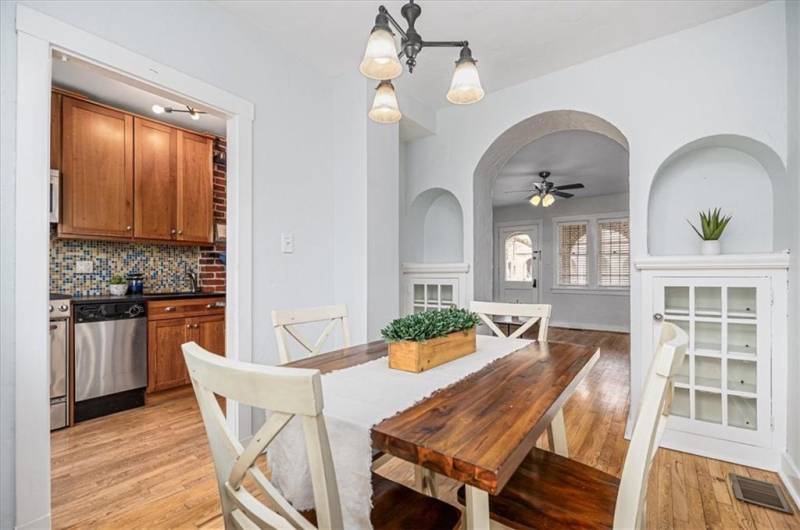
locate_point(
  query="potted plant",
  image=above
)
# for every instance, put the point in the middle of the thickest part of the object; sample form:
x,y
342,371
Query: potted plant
x,y
712,224
421,341
117,285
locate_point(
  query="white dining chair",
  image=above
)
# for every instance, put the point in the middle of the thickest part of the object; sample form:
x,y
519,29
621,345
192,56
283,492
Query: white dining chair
x,y
532,313
550,491
286,393
285,322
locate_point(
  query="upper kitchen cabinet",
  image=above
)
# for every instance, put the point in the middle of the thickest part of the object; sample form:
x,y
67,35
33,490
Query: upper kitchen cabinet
x,y
97,170
55,131
195,188
155,180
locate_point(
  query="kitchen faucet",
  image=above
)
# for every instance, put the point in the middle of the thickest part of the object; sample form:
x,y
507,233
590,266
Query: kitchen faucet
x,y
192,280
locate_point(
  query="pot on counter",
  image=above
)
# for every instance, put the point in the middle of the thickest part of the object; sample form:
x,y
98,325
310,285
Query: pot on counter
x,y
135,283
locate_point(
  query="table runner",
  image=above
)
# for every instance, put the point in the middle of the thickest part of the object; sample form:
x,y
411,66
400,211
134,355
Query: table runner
x,y
355,399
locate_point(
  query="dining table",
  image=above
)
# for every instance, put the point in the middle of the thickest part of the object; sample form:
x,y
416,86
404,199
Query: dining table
x,y
479,429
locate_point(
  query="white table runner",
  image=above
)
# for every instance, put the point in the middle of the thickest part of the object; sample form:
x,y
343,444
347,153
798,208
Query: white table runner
x,y
355,399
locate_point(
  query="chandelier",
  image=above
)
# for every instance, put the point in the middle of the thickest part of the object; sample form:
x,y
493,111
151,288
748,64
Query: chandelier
x,y
382,62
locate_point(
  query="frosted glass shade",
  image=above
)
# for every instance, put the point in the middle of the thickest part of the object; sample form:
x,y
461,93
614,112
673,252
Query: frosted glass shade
x,y
380,58
384,106
548,200
465,88
536,199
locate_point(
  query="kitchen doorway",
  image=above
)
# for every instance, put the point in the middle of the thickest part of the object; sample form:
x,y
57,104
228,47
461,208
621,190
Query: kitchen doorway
x,y
517,262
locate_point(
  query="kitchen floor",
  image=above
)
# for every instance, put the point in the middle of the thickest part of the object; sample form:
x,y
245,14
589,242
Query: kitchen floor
x,y
151,468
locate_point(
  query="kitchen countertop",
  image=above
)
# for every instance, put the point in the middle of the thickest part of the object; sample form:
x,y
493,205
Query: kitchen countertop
x,y
138,297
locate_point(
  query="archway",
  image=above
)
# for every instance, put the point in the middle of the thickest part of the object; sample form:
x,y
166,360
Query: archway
x,y
496,156
435,228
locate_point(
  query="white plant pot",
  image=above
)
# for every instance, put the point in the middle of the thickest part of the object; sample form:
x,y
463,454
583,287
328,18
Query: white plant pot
x,y
118,289
710,248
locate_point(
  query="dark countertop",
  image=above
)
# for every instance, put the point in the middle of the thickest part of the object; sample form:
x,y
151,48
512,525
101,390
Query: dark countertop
x,y
135,298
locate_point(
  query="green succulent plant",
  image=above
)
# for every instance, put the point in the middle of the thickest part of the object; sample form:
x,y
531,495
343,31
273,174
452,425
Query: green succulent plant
x,y
116,280
712,223
419,327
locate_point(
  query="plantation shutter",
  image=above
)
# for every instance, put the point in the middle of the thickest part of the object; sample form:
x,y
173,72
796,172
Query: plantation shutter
x,y
572,253
615,253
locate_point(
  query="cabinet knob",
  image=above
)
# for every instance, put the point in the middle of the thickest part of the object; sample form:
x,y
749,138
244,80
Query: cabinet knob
x,y
169,309
173,231
188,325
128,228
658,317
180,232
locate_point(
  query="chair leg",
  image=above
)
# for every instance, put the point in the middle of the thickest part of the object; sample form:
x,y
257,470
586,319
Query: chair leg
x,y
425,481
557,435
477,509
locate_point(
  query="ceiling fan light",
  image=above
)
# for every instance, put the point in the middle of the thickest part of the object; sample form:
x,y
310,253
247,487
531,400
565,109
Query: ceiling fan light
x,y
158,109
380,57
194,115
384,106
548,200
535,200
465,87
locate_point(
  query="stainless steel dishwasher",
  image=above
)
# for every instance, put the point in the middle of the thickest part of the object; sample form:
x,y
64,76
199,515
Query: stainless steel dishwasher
x,y
110,357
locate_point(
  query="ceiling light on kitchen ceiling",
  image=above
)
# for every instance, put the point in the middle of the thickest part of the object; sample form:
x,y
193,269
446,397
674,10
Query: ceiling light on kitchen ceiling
x,y
382,62
535,200
191,111
547,200
384,106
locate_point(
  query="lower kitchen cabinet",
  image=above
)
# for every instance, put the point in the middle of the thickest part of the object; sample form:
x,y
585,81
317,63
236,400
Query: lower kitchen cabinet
x,y
166,334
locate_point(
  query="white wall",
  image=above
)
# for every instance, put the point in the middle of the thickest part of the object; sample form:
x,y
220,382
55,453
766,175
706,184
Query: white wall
x,y
703,179
725,76
582,310
442,231
299,143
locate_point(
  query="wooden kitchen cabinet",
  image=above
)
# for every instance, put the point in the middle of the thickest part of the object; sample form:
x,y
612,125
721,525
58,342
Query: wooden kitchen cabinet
x,y
155,180
96,170
195,188
55,131
170,324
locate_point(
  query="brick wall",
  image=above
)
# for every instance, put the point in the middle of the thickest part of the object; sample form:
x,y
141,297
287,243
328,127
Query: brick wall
x,y
212,271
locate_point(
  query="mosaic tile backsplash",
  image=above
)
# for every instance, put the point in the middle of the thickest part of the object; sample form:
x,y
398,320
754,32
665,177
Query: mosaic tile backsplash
x,y
163,266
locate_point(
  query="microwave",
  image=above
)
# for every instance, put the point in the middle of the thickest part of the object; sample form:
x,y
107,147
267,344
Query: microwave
x,y
54,198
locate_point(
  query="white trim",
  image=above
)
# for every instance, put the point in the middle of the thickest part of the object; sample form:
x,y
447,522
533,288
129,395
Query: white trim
x,y
606,291
434,268
772,260
37,35
742,454
790,475
589,327
498,252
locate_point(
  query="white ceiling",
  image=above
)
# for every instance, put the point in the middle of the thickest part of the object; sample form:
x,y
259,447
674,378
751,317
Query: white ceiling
x,y
98,85
512,40
592,159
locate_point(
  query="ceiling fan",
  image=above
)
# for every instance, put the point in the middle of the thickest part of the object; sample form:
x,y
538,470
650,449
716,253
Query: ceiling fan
x,y
545,192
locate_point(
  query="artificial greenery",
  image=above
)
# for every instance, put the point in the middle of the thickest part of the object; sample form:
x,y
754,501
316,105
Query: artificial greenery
x,y
712,223
429,325
117,280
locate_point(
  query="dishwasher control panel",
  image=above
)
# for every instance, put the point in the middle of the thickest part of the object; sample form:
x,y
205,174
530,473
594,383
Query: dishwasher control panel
x,y
106,311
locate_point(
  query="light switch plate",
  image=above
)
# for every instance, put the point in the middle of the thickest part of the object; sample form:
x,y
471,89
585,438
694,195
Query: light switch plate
x,y
84,267
287,243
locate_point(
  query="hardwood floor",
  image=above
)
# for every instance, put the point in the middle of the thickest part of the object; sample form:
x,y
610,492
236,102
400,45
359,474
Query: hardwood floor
x,y
151,468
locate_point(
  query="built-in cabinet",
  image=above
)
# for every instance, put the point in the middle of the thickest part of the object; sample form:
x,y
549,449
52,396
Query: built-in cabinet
x,y
433,286
728,400
172,323
123,176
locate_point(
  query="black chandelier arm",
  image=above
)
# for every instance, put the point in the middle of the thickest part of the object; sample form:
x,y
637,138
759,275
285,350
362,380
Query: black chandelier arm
x,y
444,44
383,11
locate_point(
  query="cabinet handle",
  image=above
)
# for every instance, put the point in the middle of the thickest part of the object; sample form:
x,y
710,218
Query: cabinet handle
x,y
173,231
658,317
180,232
128,228
169,309
195,326
53,327
188,325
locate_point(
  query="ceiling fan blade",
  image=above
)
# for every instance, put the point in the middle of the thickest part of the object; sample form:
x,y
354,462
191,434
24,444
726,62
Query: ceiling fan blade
x,y
520,191
569,187
562,194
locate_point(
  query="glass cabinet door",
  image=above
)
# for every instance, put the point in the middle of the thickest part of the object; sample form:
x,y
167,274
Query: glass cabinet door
x,y
431,293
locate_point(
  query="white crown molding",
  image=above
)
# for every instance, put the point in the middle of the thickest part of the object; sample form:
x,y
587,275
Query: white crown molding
x,y
437,268
773,260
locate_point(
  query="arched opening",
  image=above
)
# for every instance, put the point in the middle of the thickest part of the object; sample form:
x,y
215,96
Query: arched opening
x,y
436,228
740,175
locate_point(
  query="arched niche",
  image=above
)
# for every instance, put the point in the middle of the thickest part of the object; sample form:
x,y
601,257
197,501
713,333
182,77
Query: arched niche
x,y
436,228
497,155
740,175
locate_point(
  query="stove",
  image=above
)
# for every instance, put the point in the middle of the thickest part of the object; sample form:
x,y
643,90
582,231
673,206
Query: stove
x,y
58,354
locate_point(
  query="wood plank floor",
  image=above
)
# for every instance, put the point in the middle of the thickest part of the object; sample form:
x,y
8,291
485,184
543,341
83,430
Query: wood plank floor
x,y
151,468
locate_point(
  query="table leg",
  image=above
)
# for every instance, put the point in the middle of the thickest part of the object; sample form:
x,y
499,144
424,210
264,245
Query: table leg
x,y
557,435
425,480
477,509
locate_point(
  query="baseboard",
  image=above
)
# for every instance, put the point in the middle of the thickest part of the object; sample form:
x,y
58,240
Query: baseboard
x,y
589,327
790,475
42,522
725,450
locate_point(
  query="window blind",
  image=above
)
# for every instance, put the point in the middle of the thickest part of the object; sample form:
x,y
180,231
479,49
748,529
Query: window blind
x,y
615,253
572,254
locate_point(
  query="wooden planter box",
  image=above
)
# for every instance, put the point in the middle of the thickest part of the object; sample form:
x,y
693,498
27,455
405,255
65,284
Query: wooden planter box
x,y
419,356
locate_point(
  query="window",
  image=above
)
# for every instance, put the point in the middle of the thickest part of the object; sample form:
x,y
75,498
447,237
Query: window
x,y
614,256
519,258
572,254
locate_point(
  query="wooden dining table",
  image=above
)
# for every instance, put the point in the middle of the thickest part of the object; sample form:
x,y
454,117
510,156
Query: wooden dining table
x,y
478,430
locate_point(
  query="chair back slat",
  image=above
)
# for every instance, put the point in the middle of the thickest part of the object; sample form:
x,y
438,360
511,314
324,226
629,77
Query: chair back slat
x,y
649,426
284,393
285,322
533,312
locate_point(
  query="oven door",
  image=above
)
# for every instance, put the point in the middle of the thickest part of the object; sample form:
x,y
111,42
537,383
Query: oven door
x,y
58,358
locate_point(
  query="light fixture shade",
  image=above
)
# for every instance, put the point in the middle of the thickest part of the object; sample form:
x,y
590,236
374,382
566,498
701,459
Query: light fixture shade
x,y
380,58
535,200
195,116
548,200
465,88
158,109
384,106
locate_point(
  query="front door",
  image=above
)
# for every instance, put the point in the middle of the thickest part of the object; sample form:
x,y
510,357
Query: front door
x,y
518,266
